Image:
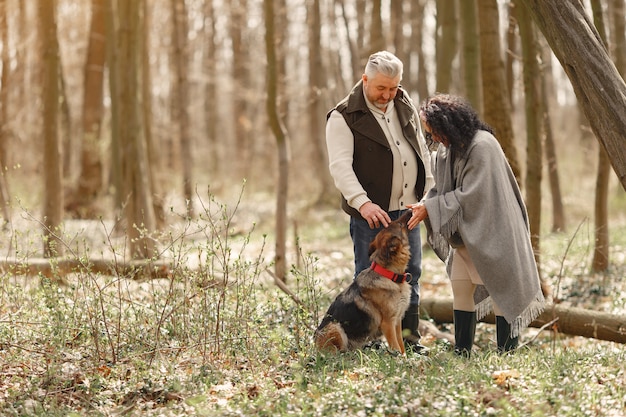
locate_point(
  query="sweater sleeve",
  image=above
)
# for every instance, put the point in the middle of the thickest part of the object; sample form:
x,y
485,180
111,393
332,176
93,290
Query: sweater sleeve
x,y
340,145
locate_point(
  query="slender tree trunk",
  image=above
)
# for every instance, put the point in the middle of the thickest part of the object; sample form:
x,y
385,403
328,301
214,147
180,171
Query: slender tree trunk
x,y
52,170
112,58
90,181
282,141
471,53
355,57
241,121
547,92
446,41
600,260
417,34
533,109
139,208
180,103
210,68
4,113
316,111
497,108
378,41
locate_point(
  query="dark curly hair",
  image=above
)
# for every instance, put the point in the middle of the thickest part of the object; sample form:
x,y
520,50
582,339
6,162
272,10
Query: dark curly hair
x,y
454,118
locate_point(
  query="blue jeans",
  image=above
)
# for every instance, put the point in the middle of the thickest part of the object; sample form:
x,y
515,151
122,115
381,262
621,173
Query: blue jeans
x,y
362,235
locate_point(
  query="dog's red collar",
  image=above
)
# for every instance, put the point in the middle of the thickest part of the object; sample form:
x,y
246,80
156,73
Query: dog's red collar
x,y
399,278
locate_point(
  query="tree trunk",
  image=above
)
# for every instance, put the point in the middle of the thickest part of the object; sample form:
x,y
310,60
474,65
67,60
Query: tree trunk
x,y
4,113
139,208
317,86
90,179
52,169
497,107
378,41
417,34
282,141
210,71
471,53
180,103
547,94
533,108
600,260
445,43
571,320
600,89
241,121
112,58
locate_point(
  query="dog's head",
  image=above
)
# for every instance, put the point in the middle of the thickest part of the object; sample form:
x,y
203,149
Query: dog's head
x,y
390,248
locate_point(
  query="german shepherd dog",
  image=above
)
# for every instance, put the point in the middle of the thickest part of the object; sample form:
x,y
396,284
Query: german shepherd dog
x,y
375,302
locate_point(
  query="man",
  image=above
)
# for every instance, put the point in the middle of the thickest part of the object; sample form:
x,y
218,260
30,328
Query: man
x,y
380,164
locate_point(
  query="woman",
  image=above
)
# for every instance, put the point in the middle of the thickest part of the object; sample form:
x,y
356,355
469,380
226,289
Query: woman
x,y
477,223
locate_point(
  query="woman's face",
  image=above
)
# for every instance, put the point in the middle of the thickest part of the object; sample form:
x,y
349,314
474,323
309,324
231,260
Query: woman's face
x,y
430,136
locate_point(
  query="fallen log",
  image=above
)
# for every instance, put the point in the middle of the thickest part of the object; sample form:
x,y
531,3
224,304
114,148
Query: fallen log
x,y
570,320
59,267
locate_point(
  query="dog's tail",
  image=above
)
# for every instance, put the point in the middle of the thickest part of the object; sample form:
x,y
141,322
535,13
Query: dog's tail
x,y
331,338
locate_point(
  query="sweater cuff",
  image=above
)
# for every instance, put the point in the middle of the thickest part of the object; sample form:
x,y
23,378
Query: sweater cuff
x,y
358,201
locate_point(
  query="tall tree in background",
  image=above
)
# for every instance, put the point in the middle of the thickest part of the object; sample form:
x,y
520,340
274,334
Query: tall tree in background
x,y
180,103
52,163
417,36
90,180
378,41
4,114
317,89
600,89
533,111
600,261
112,58
547,93
241,119
496,99
135,161
471,54
282,142
210,69
445,43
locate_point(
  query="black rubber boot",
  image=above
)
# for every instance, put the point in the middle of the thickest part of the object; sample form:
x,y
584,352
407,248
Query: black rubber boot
x,y
506,343
464,331
410,332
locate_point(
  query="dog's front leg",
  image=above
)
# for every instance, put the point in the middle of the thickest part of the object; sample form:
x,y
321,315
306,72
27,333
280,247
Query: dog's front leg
x,y
389,329
399,337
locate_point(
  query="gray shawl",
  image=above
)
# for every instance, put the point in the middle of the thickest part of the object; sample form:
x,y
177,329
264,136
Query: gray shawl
x,y
476,202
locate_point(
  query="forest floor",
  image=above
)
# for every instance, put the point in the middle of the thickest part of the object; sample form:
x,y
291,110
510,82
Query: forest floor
x,y
220,338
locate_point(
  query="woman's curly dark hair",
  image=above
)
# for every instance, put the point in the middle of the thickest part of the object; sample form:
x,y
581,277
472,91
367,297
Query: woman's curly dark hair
x,y
454,118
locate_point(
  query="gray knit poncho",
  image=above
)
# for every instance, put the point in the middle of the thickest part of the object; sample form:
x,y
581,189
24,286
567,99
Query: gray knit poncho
x,y
476,202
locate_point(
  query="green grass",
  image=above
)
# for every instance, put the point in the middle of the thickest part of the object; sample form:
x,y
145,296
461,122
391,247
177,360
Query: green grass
x,y
220,339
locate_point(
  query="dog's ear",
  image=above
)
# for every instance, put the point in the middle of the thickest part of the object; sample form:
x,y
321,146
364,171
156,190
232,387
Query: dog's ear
x,y
406,216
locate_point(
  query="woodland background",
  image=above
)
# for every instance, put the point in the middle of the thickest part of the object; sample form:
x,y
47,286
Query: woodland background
x,y
125,109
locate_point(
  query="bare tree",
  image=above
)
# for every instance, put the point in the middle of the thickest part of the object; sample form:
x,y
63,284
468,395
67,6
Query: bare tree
x,y
180,103
600,89
533,109
470,42
417,29
52,172
282,142
496,100
90,180
446,43
136,174
547,91
378,41
317,86
600,260
4,114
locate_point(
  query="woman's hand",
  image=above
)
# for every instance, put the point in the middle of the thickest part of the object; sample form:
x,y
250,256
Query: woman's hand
x,y
419,214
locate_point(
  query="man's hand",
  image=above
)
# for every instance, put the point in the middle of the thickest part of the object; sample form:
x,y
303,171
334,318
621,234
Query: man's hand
x,y
374,215
419,214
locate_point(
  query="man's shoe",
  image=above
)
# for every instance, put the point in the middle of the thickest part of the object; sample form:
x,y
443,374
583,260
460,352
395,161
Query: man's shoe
x,y
415,347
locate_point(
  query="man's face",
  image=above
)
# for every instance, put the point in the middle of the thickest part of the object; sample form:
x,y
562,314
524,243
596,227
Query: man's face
x,y
380,89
